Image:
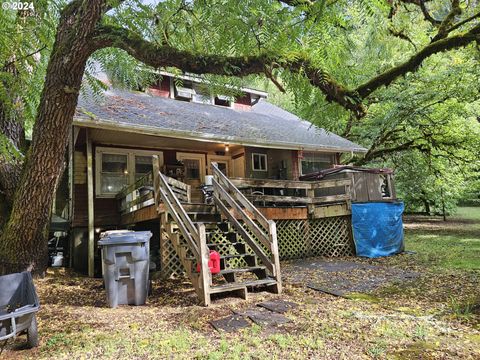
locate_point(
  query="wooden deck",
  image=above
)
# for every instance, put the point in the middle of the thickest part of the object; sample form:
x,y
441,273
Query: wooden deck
x,y
275,199
271,213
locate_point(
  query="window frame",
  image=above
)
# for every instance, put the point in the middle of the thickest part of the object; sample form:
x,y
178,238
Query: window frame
x,y
131,153
201,157
219,159
311,158
266,162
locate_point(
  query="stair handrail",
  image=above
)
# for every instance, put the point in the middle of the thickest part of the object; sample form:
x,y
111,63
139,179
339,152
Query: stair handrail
x,y
267,237
257,215
164,192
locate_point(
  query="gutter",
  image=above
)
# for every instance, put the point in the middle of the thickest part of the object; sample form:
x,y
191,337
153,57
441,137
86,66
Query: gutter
x,y
197,136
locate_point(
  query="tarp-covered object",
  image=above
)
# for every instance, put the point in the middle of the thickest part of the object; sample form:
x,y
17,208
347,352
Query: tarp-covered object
x,y
377,228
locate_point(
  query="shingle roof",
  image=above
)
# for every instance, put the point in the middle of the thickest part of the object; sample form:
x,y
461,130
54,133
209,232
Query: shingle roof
x,y
266,125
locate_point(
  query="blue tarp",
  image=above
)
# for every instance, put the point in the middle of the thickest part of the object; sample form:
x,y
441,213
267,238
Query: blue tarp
x,y
377,228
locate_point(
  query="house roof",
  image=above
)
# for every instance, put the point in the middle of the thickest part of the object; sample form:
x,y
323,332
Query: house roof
x,y
199,79
266,125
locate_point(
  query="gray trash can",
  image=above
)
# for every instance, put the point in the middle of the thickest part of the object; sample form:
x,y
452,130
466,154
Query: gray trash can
x,y
125,260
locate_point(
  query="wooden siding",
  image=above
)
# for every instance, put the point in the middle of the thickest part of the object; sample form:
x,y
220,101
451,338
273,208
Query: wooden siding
x,y
80,167
274,163
106,209
161,88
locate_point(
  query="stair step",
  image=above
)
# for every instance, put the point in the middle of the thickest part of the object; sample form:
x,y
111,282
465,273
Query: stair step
x,y
223,226
225,244
232,256
237,286
238,270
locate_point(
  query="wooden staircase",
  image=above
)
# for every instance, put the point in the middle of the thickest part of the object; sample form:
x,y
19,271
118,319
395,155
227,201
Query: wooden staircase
x,y
245,240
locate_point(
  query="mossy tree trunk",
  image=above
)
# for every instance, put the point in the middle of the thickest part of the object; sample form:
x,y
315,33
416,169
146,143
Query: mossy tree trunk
x,y
23,242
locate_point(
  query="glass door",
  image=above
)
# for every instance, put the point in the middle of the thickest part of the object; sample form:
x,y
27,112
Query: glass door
x,y
194,172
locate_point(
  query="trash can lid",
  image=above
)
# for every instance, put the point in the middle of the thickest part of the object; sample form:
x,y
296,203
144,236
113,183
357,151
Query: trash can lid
x,y
124,237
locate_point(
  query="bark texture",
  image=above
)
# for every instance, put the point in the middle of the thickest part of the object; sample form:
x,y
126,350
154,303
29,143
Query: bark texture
x,y
23,244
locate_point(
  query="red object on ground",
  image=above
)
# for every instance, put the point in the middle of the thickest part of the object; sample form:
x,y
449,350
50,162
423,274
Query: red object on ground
x,y
213,263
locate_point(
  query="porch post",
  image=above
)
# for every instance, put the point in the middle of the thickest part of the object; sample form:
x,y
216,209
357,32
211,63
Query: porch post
x,y
91,230
71,151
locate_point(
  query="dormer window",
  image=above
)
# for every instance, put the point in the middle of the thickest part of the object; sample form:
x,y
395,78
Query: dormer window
x,y
184,92
222,100
201,94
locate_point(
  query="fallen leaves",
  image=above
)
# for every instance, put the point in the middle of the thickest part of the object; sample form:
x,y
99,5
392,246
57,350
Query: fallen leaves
x,y
432,316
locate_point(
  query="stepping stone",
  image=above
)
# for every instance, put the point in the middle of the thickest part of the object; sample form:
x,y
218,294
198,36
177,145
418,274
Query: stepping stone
x,y
269,319
333,292
249,312
230,323
278,306
264,317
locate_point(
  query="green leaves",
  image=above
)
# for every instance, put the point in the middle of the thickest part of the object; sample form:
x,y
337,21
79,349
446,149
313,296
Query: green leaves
x,y
25,43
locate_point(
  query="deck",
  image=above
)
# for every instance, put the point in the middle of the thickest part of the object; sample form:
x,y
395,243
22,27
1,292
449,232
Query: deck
x,y
272,213
275,199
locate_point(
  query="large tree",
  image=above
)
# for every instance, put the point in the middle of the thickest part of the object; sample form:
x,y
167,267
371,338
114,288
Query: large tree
x,y
294,39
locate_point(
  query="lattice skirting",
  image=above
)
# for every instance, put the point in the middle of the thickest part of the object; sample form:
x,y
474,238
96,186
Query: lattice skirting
x,y
330,236
170,263
297,239
172,267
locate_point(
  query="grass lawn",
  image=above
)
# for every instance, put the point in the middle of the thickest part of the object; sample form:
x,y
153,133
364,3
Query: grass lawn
x,y
435,316
454,244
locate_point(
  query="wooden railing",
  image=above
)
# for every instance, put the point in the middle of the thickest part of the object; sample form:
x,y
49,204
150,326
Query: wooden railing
x,y
181,190
170,193
136,196
140,194
227,197
304,191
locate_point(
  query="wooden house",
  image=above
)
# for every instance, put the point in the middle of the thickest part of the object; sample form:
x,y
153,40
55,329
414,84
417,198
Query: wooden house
x,y
137,160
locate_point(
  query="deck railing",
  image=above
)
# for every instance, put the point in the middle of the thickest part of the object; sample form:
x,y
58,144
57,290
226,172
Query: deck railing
x,y
136,196
140,194
272,192
227,197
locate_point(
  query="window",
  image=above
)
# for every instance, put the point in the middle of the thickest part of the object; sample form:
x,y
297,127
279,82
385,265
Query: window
x,y
259,162
222,100
224,163
117,168
113,173
315,162
193,165
202,94
143,166
223,167
192,169
184,91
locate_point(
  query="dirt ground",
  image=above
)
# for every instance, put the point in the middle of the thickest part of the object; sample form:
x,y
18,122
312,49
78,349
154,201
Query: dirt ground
x,y
420,309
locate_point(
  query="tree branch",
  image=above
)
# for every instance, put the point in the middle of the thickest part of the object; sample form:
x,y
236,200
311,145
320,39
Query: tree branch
x,y
165,56
374,154
297,2
403,36
427,15
273,79
463,22
415,61
448,21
